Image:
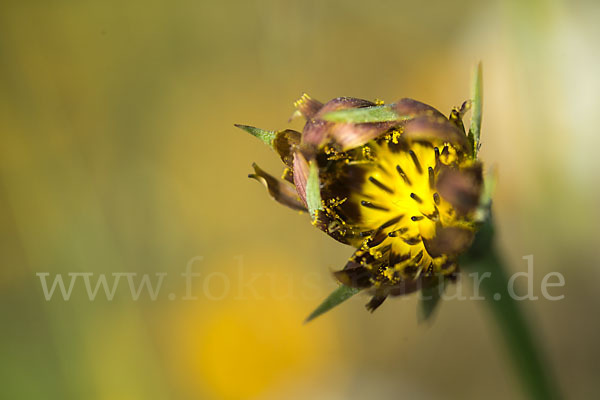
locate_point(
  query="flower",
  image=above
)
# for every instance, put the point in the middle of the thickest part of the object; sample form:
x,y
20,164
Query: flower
x,y
400,183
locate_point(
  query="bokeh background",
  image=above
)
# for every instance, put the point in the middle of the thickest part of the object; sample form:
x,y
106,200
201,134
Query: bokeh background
x,y
119,154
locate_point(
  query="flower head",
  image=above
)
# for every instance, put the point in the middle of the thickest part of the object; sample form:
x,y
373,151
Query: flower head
x,y
399,182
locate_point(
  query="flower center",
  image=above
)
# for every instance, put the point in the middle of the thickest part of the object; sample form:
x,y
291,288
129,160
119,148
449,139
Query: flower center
x,y
400,207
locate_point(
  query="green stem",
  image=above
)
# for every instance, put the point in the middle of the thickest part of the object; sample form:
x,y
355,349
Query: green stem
x,y
524,351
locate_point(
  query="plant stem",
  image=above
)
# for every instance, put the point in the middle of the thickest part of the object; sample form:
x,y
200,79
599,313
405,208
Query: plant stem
x,y
528,361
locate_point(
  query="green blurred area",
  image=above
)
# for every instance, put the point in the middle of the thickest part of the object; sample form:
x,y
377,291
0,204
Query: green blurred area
x,y
119,155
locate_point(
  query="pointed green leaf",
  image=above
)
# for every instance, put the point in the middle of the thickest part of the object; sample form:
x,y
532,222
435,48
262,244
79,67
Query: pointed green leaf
x,y
338,296
361,115
266,137
477,104
429,300
313,190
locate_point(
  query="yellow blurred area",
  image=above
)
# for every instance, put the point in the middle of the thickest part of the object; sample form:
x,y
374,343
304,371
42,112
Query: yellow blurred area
x,y
119,155
250,340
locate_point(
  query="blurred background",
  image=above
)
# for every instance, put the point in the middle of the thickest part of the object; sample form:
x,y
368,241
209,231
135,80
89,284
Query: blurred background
x,y
119,155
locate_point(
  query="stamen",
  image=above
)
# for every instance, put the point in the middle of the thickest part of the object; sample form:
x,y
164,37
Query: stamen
x,y
385,249
418,257
446,151
368,204
416,161
434,216
416,218
365,233
436,198
391,222
376,241
416,198
398,258
431,178
413,240
430,269
380,185
403,175
398,232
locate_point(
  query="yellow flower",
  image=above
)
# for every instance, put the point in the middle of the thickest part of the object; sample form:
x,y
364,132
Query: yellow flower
x,y
400,183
